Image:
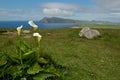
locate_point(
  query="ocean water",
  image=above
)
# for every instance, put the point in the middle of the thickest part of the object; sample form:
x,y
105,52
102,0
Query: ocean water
x,y
14,24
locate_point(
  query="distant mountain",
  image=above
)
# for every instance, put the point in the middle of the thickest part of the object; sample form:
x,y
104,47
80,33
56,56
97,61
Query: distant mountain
x,y
78,22
56,20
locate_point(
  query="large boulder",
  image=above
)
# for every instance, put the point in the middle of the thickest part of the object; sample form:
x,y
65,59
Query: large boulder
x,y
89,33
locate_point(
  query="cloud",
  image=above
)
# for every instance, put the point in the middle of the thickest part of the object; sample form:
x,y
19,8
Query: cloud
x,y
19,14
63,9
110,9
60,5
57,11
106,10
9,12
108,4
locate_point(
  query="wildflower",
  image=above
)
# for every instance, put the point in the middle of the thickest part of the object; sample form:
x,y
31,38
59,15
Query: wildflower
x,y
38,36
31,23
19,29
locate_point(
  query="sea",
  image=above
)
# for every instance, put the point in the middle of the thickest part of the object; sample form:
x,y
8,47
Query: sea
x,y
15,24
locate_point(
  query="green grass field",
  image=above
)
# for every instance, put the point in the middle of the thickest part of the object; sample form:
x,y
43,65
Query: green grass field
x,y
96,59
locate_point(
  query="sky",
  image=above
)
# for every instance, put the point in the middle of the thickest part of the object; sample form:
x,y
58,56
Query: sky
x,y
99,10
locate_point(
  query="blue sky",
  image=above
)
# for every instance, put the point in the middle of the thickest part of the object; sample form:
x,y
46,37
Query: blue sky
x,y
103,10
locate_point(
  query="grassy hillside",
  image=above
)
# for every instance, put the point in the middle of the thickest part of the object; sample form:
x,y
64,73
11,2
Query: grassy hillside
x,y
96,59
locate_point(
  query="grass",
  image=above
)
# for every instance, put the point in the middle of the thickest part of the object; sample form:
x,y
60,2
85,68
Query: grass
x,y
96,59
105,26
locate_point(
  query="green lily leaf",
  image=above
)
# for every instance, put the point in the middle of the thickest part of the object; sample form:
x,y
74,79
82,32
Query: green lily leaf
x,y
18,50
14,71
25,45
51,69
42,60
12,59
34,69
23,78
43,76
27,54
15,60
3,60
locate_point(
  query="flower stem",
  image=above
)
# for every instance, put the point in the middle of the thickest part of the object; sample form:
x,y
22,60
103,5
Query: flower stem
x,y
20,50
36,45
38,53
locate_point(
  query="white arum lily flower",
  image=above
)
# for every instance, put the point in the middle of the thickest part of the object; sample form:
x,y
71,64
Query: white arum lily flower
x,y
31,23
38,36
19,29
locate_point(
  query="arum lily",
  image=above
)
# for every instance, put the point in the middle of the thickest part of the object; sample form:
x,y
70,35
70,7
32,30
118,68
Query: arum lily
x,y
31,23
19,30
38,36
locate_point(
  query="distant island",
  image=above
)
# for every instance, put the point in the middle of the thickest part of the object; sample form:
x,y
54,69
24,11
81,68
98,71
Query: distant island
x,y
78,22
56,20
